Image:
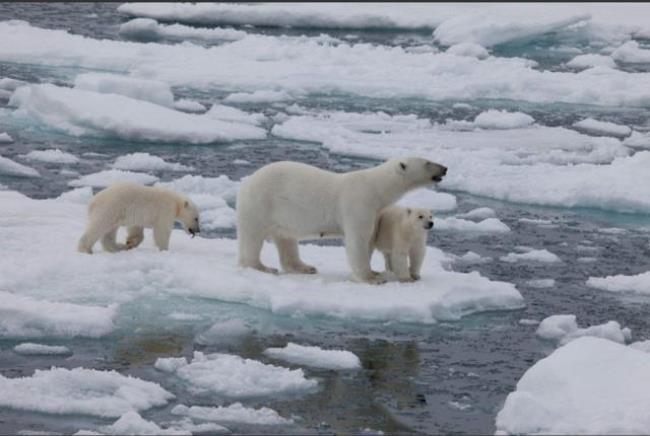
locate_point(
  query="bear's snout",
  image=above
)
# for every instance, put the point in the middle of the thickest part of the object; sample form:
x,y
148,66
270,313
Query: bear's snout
x,y
429,225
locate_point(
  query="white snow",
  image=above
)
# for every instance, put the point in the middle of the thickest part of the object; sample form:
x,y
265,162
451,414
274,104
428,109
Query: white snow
x,y
234,413
564,329
77,195
641,346
261,96
229,113
638,140
468,49
41,236
429,199
526,321
81,391
52,156
497,119
5,138
472,258
304,65
602,127
10,84
315,357
480,213
589,386
29,348
591,60
189,106
105,178
79,112
131,423
543,256
139,89
147,162
146,29
639,283
235,377
541,283
631,53
488,225
10,168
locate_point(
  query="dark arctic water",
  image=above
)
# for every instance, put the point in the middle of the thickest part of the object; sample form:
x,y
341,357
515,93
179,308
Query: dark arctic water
x,y
451,377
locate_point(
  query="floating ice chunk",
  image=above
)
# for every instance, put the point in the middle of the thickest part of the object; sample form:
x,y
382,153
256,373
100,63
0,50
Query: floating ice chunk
x,y
29,349
81,112
10,84
541,283
538,221
584,387
543,256
5,138
637,140
187,425
430,199
479,213
224,332
641,346
132,423
55,269
106,178
525,321
348,16
262,96
78,195
189,106
229,113
639,283
596,127
490,28
138,89
469,49
22,316
472,258
52,156
81,391
591,60
488,225
234,413
146,29
236,377
10,168
496,119
241,162
315,357
631,53
147,162
183,316
564,328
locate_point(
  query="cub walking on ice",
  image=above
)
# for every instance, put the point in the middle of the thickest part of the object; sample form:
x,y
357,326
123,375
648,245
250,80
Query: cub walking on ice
x,y
136,207
402,238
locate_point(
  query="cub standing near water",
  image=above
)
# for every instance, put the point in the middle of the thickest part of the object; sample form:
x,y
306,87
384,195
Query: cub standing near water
x,y
136,207
290,201
402,239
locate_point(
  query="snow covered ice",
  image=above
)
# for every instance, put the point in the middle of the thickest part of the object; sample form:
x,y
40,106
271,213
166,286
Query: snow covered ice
x,y
315,356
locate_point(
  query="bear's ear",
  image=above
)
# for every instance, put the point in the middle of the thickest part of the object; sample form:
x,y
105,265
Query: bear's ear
x,y
408,211
402,166
187,204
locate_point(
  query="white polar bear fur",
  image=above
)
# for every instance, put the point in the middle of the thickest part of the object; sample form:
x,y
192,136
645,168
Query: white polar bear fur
x,y
402,239
289,201
136,207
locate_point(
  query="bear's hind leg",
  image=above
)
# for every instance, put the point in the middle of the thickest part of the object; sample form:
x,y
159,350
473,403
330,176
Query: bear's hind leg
x,y
250,246
134,237
400,264
93,232
108,241
290,257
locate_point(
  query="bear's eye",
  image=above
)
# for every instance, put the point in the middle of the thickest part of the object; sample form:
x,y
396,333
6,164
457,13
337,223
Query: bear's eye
x,y
420,217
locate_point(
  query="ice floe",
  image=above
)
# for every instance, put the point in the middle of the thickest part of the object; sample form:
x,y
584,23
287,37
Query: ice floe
x,y
235,377
564,329
596,127
10,168
472,258
234,413
591,60
5,138
631,53
58,273
531,255
189,106
315,357
52,156
496,119
132,423
224,332
80,112
105,178
638,140
29,349
468,49
261,96
81,391
147,29
639,283
480,213
488,225
139,89
147,162
589,386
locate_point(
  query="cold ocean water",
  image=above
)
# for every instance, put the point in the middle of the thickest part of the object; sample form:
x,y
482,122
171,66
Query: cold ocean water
x,y
341,95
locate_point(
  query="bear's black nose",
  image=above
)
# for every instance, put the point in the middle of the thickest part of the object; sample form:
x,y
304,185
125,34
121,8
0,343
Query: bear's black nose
x,y
429,224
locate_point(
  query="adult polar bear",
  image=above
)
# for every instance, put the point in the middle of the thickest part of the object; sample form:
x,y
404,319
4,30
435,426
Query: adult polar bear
x,y
289,201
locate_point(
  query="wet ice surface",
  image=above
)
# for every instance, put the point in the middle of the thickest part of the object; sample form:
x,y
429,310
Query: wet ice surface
x,y
444,377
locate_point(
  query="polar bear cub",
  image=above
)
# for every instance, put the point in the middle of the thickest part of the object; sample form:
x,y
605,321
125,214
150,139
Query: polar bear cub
x,y
402,238
136,207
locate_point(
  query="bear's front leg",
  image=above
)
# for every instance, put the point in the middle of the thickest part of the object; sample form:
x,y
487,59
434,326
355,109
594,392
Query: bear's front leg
x,y
357,247
416,258
399,261
161,234
134,237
